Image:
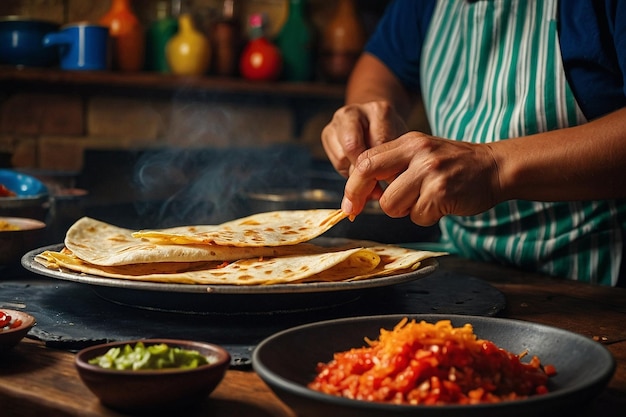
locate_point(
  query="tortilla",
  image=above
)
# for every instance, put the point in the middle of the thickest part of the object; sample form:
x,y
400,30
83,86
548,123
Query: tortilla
x,y
263,249
275,228
329,266
104,244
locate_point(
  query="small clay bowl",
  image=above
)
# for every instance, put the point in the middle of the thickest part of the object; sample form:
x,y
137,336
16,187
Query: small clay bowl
x,y
153,390
9,337
15,243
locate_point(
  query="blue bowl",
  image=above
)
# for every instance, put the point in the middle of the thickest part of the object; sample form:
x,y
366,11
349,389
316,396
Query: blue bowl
x,y
21,42
22,184
31,200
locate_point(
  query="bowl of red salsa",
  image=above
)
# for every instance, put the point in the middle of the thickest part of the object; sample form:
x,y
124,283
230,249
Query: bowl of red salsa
x,y
432,365
14,325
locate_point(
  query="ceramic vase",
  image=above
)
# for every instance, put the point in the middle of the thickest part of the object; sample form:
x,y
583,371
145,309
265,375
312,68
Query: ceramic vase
x,y
189,51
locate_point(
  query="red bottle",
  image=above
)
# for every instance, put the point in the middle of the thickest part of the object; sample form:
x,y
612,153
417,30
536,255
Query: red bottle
x,y
261,59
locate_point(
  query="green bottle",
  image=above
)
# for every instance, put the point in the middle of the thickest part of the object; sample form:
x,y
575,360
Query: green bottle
x,y
295,41
158,34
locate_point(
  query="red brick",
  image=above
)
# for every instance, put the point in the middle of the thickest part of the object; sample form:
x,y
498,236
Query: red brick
x,y
25,154
35,114
116,118
60,154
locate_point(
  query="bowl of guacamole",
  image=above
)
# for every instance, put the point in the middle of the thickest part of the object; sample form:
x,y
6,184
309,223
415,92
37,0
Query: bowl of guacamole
x,y
152,374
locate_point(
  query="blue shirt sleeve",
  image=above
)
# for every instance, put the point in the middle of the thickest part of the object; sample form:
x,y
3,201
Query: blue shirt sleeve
x,y
592,35
398,38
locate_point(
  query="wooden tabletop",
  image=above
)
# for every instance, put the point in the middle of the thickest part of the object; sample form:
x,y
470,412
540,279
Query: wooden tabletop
x,y
39,381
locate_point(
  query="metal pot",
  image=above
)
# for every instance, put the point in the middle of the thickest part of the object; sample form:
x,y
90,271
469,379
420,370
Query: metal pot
x,y
21,42
371,224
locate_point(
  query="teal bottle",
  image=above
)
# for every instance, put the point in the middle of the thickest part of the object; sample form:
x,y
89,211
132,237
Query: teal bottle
x,y
295,41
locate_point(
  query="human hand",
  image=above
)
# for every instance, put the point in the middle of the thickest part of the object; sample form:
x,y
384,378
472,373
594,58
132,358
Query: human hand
x,y
428,178
357,127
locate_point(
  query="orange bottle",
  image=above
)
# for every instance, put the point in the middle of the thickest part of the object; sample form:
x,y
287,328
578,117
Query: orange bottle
x,y
127,34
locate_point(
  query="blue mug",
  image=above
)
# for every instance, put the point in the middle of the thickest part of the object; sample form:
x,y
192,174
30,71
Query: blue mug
x,y
82,46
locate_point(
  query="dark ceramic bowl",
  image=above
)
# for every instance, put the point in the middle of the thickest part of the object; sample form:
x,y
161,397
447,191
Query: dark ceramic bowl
x,y
15,243
287,361
21,42
153,390
11,337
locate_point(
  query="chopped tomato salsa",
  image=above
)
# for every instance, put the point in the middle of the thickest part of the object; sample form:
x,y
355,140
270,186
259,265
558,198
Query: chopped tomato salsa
x,y
5,192
431,364
7,322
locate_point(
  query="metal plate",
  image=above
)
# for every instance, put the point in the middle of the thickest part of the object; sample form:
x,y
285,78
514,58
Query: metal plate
x,y
28,261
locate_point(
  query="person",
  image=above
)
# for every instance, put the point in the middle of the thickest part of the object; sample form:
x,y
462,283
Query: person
x,y
526,103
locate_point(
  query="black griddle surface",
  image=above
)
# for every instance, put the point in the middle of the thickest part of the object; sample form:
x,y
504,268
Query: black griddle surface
x,y
72,315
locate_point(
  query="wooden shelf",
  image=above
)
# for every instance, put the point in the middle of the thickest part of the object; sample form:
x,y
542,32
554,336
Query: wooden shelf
x,y
155,82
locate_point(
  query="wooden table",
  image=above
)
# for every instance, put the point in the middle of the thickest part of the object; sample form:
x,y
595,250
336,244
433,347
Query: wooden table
x,y
39,381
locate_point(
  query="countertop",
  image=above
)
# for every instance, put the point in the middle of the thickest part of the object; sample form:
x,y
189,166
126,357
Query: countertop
x,y
39,380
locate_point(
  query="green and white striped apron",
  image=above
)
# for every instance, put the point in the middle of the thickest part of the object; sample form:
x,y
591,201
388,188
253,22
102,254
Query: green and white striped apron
x,y
492,70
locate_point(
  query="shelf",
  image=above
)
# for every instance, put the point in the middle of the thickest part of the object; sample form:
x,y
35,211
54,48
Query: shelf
x,y
164,83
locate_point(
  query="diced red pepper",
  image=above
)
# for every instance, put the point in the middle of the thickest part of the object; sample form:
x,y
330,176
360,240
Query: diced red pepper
x,y
550,370
5,319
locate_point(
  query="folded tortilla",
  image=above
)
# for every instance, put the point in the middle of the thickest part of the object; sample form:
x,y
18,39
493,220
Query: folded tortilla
x,y
101,243
275,228
262,249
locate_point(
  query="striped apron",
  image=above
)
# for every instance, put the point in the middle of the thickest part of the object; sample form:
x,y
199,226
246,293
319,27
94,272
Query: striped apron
x,y
498,75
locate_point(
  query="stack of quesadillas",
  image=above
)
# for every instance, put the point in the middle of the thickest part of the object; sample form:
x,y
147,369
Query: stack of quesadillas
x,y
261,249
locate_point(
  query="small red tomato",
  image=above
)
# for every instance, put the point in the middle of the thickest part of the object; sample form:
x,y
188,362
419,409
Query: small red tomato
x,y
5,192
261,60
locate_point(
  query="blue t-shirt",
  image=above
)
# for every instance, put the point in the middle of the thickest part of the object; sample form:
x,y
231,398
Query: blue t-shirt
x,y
592,35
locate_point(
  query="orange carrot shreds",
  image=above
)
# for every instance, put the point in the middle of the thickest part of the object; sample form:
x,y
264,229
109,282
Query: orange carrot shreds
x,y
430,364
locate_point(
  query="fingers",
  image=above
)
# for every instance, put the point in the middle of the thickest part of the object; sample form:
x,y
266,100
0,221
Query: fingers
x,y
343,139
376,165
356,128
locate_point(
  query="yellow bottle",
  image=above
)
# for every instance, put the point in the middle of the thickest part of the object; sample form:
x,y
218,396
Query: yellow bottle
x,y
189,51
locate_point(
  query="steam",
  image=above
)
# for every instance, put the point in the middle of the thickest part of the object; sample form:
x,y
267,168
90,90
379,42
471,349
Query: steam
x,y
208,186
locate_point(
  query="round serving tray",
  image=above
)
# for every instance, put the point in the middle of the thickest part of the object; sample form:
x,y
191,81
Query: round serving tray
x,y
28,261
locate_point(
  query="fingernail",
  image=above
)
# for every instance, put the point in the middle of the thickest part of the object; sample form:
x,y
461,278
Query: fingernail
x,y
346,206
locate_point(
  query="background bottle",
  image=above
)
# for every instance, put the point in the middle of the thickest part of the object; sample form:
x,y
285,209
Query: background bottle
x,y
159,33
342,42
127,35
189,51
261,59
295,41
226,41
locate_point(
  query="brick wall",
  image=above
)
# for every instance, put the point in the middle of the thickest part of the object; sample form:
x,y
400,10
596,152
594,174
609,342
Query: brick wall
x,y
50,131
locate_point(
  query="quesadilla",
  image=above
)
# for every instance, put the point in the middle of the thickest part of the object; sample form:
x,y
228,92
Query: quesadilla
x,y
262,249
275,228
104,244
331,266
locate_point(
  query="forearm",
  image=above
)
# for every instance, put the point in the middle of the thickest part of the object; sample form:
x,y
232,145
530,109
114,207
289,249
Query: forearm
x,y
580,163
372,81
